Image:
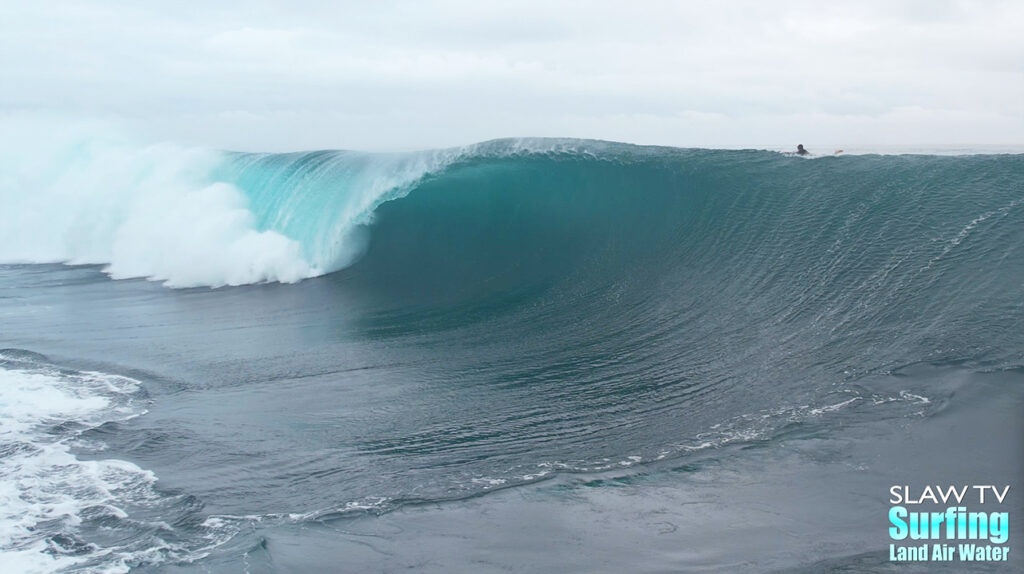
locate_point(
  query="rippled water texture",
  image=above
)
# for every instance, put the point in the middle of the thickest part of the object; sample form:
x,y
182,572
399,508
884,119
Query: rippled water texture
x,y
536,355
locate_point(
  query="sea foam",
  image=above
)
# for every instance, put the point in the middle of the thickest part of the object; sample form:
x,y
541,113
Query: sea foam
x,y
45,490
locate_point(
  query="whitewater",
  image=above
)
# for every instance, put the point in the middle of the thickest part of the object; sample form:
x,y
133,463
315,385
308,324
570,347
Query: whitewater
x,y
534,354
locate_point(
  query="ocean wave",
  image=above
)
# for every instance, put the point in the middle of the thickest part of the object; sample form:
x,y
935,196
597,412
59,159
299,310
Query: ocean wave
x,y
191,217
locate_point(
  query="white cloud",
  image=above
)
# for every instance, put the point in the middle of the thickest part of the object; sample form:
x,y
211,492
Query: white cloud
x,y
275,75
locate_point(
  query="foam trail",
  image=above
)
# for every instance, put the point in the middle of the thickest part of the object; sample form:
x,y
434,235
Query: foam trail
x,y
45,491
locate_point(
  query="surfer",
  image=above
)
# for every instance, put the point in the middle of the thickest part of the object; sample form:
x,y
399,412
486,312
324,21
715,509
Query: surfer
x,y
801,151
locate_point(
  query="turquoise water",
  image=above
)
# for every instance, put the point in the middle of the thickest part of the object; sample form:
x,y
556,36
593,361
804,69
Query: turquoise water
x,y
489,350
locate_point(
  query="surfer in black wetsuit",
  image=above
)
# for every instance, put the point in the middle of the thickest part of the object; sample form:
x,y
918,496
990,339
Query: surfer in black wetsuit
x,y
801,151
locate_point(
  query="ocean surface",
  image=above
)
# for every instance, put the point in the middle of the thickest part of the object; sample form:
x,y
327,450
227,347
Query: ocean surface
x,y
518,356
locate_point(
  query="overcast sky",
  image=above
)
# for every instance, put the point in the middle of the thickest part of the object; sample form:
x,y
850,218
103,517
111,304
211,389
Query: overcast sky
x,y
259,75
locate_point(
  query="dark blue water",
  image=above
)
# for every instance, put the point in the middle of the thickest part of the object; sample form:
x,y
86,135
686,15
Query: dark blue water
x,y
587,357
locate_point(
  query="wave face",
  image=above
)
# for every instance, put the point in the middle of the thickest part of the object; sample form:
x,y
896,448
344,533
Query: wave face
x,y
852,243
191,217
874,247
686,298
839,243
